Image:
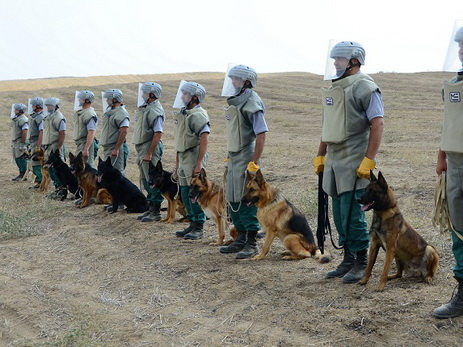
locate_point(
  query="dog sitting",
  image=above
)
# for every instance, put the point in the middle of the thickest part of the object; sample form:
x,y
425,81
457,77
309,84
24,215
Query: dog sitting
x,y
122,190
64,173
212,200
390,231
279,218
39,155
87,179
162,180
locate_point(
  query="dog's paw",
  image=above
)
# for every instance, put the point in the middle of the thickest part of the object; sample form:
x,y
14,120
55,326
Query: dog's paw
x,y
257,257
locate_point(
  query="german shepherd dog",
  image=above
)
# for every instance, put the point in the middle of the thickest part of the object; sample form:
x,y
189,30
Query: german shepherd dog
x,y
64,173
122,190
390,231
279,218
87,179
39,155
27,154
212,200
162,180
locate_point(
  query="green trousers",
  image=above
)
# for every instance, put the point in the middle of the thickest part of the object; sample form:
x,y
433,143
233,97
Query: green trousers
x,y
37,170
244,217
457,248
194,211
21,162
154,194
356,238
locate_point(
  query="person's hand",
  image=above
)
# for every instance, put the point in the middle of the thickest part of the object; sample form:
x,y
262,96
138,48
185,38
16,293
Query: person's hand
x,y
319,164
85,153
366,165
114,153
441,165
147,157
252,167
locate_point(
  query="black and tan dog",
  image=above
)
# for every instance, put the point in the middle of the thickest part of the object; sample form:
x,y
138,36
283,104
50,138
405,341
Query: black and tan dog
x,y
212,200
87,178
162,180
279,218
39,155
390,231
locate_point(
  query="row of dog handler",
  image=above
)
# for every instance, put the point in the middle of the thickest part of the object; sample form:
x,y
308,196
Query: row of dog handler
x,y
351,135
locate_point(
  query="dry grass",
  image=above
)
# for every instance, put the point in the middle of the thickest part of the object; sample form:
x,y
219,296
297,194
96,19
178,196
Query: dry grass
x,y
89,278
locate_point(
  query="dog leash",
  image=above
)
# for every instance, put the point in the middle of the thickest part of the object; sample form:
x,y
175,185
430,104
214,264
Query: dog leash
x,y
323,221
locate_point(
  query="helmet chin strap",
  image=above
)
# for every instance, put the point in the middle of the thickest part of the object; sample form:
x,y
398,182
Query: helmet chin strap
x,y
349,67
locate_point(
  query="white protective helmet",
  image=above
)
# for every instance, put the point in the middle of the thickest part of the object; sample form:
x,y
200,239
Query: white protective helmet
x,y
244,72
453,60
193,89
113,94
52,102
151,87
20,107
37,101
86,95
347,50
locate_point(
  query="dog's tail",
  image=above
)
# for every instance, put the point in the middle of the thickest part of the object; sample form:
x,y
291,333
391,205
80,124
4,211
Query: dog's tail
x,y
432,262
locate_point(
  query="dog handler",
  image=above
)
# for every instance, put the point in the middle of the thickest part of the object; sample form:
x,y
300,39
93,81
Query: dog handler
x,y
246,131
54,132
450,159
19,129
115,124
149,123
191,134
85,122
351,134
35,135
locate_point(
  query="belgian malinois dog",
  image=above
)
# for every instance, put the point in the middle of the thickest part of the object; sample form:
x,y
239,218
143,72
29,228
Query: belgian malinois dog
x,y
390,231
87,178
279,218
212,200
39,155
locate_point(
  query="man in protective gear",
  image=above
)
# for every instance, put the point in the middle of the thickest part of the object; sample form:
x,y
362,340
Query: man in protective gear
x,y
19,129
85,122
351,134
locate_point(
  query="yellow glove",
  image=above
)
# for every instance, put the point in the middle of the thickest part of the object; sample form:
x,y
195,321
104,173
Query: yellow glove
x,y
366,165
225,162
319,164
252,167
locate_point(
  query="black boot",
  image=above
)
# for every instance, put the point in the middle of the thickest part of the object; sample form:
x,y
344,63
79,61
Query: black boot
x,y
146,213
196,233
236,245
345,266
358,270
250,249
454,307
182,233
154,215
19,177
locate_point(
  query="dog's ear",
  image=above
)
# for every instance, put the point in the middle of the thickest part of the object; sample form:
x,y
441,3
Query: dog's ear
x,y
372,176
159,166
71,156
99,160
108,160
79,155
260,180
382,181
150,166
57,151
202,175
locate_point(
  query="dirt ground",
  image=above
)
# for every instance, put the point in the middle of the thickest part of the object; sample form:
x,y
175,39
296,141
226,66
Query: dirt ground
x,y
83,277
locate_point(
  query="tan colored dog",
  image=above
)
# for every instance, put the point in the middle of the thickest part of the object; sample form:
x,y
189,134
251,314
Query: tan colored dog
x,y
279,218
212,200
39,155
390,231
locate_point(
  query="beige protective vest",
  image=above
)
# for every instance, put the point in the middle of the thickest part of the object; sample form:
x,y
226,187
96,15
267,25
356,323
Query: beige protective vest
x,y
50,127
344,106
187,125
36,119
452,127
111,126
144,121
17,124
81,120
346,131
238,123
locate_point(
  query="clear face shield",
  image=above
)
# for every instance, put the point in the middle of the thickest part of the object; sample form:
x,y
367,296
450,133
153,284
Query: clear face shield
x,y
78,103
50,108
231,85
13,112
106,102
182,99
30,108
454,59
142,96
335,66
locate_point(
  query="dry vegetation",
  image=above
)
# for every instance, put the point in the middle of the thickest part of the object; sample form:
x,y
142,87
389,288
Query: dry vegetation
x,y
71,277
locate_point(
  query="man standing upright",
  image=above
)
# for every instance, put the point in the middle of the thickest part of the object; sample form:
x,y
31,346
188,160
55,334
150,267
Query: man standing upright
x,y
351,134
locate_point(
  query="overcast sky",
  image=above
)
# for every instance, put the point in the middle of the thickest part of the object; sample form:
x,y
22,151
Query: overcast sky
x,y
51,38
